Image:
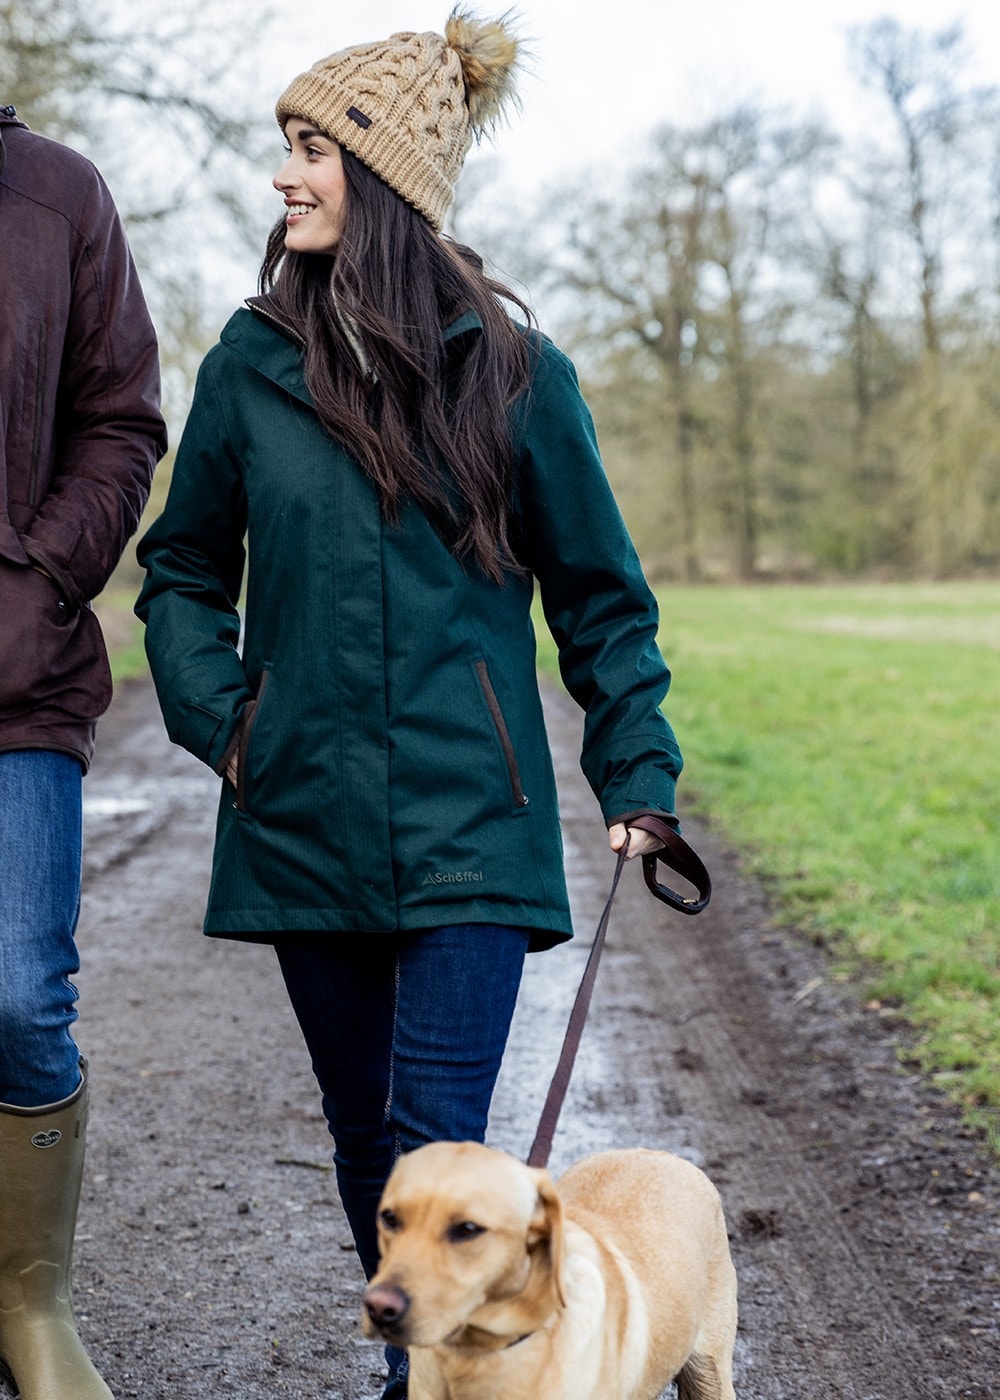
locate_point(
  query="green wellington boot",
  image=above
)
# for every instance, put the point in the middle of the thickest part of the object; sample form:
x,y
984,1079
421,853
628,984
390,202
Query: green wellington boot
x,y
41,1166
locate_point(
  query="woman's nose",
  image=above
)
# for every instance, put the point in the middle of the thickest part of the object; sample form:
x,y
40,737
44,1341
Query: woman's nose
x,y
285,178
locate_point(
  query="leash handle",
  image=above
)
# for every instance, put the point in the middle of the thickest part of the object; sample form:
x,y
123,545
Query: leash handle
x,y
681,859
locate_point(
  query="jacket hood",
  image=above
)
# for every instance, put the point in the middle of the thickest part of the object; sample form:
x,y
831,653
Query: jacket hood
x,y
8,117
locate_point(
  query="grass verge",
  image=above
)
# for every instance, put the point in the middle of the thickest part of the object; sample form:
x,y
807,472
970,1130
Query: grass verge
x,y
847,740
122,632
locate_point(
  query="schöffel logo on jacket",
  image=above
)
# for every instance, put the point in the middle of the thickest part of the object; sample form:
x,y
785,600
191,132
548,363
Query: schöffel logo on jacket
x,y
452,877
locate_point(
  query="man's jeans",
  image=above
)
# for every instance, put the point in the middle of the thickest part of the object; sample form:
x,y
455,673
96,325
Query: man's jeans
x,y
40,839
406,1033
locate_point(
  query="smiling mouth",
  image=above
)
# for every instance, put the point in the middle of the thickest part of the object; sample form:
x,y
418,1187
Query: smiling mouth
x,y
295,211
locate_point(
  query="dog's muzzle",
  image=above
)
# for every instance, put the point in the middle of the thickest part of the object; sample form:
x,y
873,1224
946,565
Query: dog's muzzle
x,y
386,1308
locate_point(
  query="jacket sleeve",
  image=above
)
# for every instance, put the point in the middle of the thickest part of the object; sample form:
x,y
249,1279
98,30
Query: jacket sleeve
x,y
596,601
111,433
194,558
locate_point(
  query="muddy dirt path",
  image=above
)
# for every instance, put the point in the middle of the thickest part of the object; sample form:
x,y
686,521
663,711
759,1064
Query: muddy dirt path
x,y
213,1259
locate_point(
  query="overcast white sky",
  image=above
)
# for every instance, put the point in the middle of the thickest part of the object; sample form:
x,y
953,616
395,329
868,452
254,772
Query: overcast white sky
x,y
604,73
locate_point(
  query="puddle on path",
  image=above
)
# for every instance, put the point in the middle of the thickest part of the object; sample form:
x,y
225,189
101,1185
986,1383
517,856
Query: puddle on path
x,y
115,806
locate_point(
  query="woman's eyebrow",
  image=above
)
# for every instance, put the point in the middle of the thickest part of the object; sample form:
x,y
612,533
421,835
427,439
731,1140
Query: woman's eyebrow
x,y
309,133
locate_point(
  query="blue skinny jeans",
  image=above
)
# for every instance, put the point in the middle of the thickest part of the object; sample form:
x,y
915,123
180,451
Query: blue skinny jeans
x,y
406,1032
40,842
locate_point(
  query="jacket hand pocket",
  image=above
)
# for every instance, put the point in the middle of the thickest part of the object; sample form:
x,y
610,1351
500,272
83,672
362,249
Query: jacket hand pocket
x,y
48,653
503,734
243,747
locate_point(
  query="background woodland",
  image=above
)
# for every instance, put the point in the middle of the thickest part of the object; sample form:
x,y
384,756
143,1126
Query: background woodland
x,y
790,337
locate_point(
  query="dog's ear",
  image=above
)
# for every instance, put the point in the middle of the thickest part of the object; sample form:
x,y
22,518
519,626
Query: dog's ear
x,y
546,1230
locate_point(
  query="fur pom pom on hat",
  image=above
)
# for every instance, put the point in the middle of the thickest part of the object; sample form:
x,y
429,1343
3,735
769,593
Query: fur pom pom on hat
x,y
409,106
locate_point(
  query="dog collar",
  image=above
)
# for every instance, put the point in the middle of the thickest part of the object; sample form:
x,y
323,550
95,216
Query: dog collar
x,y
517,1341
498,1345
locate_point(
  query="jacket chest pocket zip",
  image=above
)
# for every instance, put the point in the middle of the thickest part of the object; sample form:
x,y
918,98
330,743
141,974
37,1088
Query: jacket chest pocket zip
x,y
243,750
503,734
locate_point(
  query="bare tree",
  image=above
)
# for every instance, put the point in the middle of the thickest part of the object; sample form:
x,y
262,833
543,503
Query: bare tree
x,y
171,116
633,268
682,266
915,72
934,181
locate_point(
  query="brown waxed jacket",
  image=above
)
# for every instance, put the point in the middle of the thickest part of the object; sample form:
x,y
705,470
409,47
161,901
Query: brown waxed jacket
x,y
80,434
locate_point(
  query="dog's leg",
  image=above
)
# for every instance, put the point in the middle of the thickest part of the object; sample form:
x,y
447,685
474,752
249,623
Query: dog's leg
x,y
699,1379
708,1372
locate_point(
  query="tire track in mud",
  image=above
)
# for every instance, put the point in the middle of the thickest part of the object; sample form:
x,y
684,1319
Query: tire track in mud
x,y
213,1257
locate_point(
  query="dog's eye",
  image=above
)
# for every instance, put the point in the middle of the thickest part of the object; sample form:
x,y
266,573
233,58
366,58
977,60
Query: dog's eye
x,y
389,1220
465,1230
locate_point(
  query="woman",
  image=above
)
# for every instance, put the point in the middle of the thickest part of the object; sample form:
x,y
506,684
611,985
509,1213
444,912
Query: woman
x,y
404,460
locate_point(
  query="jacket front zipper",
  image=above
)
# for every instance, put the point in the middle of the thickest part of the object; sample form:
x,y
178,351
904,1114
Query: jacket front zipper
x,y
256,305
36,437
503,734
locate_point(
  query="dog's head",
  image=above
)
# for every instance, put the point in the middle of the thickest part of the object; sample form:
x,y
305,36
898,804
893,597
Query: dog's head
x,y
471,1247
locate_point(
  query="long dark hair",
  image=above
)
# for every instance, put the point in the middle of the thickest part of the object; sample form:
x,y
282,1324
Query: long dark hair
x,y
423,425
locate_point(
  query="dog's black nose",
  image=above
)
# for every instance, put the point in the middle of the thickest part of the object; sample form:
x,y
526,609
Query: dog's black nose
x,y
387,1306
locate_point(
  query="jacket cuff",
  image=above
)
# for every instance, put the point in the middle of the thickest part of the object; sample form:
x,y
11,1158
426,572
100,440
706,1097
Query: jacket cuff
x,y
207,735
669,817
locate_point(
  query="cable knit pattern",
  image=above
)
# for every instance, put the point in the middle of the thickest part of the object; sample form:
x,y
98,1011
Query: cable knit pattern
x,y
402,105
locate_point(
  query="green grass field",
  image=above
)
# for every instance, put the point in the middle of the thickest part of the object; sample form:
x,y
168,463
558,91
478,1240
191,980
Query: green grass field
x,y
847,740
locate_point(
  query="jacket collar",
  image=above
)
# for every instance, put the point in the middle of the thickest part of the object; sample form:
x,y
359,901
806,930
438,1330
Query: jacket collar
x,y
267,307
270,341
270,344
469,324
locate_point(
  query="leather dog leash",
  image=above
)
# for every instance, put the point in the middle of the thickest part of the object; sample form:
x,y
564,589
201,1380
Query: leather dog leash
x,y
678,855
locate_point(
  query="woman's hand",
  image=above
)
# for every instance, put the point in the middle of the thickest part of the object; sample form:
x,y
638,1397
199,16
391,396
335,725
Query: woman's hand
x,y
640,843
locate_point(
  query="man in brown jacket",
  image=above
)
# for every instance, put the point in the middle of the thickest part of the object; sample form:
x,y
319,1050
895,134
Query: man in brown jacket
x,y
80,434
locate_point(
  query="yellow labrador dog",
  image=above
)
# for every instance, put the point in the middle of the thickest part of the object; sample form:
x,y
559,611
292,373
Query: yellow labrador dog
x,y
504,1287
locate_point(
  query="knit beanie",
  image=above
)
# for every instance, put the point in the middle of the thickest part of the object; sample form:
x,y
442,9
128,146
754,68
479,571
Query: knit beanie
x,y
409,106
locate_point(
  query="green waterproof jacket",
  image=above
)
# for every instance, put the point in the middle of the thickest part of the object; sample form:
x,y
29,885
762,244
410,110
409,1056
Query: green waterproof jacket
x,y
394,768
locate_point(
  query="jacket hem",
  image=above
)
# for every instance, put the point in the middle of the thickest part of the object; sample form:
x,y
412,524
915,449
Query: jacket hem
x,y
22,745
545,929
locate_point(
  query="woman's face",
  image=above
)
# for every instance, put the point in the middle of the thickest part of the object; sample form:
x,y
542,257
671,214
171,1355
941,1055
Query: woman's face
x,y
315,192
